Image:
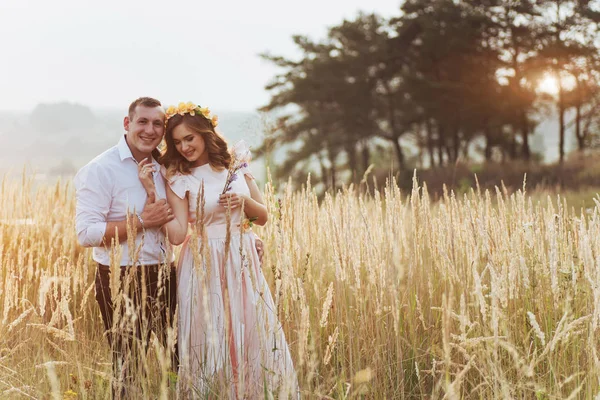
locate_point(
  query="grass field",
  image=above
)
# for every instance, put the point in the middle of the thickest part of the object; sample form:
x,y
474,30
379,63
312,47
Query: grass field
x,y
381,295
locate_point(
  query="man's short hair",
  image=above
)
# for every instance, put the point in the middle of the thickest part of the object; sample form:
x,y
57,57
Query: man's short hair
x,y
143,101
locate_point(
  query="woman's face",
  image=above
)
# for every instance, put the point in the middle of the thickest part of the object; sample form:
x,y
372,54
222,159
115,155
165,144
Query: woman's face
x,y
190,145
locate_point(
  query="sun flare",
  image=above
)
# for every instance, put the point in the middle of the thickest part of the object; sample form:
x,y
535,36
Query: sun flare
x,y
549,85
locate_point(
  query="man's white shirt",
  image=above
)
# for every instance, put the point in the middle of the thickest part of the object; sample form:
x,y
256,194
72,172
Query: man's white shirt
x,y
107,188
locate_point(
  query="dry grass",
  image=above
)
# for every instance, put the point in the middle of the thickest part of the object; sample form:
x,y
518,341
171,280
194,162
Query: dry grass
x,y
380,294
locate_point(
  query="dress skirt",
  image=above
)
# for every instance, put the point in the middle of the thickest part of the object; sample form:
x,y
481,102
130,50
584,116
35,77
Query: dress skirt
x,y
228,331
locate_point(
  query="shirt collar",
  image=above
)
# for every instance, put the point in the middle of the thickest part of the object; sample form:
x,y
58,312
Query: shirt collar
x,y
125,151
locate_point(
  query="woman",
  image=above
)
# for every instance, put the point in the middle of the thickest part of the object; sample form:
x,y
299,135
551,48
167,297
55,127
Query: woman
x,y
228,328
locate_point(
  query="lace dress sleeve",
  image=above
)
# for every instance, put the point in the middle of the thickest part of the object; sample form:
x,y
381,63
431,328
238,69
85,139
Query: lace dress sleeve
x,y
178,183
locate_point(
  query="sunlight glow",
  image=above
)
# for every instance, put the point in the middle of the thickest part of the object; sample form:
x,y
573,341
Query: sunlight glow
x,y
549,85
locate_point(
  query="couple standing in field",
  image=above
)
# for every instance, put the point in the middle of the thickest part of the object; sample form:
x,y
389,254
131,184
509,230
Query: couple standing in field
x,y
227,331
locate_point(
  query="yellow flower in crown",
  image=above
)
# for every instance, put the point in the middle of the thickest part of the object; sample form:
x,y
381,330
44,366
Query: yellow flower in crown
x,y
182,108
171,111
191,108
205,111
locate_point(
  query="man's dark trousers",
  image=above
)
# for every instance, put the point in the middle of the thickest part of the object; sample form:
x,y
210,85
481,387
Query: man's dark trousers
x,y
150,290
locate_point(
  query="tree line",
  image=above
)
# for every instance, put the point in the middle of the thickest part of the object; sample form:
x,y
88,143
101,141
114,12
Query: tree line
x,y
448,78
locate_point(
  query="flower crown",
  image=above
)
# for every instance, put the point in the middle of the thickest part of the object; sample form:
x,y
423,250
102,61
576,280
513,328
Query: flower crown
x,y
192,109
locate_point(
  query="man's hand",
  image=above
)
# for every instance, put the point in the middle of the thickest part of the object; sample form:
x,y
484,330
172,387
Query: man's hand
x,y
260,249
156,214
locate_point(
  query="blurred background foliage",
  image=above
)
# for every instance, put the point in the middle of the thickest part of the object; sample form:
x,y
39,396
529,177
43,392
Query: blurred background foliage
x,y
450,88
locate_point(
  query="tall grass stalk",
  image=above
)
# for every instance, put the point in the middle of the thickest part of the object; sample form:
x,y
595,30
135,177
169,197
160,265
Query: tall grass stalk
x,y
380,293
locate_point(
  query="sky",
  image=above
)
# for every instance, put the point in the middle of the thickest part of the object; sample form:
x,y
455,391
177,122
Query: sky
x,y
106,53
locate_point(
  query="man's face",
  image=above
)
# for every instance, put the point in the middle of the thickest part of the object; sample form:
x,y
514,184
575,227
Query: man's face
x,y
145,129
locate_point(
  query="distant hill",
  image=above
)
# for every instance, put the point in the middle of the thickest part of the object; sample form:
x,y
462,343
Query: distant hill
x,y
58,139
61,117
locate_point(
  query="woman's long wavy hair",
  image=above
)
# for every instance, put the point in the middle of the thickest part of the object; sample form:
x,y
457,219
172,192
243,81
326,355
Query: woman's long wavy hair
x,y
218,155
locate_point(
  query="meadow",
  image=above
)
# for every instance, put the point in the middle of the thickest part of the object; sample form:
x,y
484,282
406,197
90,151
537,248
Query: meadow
x,y
381,293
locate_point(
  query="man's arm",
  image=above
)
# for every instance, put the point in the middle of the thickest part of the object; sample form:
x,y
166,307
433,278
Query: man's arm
x,y
114,228
154,215
93,204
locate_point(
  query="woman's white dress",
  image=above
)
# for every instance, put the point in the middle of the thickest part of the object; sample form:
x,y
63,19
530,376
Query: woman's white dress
x,y
229,332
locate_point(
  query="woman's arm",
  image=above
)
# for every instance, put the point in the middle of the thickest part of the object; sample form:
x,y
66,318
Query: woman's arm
x,y
177,229
146,176
254,206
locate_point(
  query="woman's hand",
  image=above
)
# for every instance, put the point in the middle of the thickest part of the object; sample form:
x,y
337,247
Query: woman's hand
x,y
234,200
146,171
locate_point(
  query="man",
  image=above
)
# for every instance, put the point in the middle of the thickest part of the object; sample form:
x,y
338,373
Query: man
x,y
111,202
